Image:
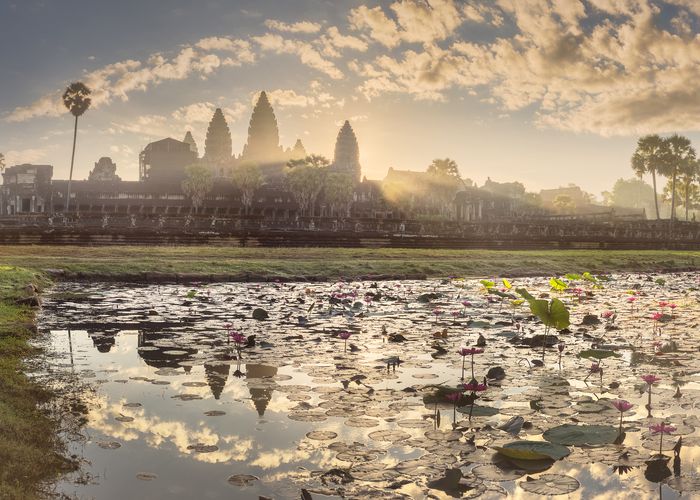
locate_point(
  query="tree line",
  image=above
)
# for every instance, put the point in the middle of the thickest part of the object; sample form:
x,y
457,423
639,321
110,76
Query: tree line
x,y
672,157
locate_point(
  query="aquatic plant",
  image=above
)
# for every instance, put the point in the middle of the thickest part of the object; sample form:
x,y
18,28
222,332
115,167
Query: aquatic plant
x,y
660,430
650,380
344,336
553,314
622,406
469,351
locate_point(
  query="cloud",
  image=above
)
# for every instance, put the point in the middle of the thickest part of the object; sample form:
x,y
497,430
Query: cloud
x,y
20,156
120,79
307,54
299,27
626,74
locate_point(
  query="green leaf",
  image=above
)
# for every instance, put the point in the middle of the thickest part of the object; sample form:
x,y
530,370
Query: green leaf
x,y
573,277
524,294
493,291
559,314
533,450
598,354
507,284
581,435
558,284
517,302
487,284
589,277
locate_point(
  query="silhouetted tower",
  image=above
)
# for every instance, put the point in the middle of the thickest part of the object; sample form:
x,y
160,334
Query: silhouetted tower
x,y
298,151
263,144
346,159
217,148
190,140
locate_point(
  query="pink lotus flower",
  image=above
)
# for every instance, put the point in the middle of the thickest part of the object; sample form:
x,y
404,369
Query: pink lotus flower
x,y
657,316
663,304
607,314
561,346
672,306
237,337
344,336
631,299
469,351
662,428
466,303
622,405
650,379
595,368
475,387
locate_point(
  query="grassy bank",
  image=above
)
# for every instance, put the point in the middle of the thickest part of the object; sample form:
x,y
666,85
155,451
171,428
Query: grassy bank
x,y
29,446
330,263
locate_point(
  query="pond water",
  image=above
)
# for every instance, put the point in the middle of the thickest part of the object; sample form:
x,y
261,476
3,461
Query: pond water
x,y
175,411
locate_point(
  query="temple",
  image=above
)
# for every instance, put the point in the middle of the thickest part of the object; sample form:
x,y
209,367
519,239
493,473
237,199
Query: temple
x,y
342,199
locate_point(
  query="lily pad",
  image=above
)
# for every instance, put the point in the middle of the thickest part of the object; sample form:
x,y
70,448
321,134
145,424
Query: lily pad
x,y
598,354
550,484
242,479
533,450
581,435
478,411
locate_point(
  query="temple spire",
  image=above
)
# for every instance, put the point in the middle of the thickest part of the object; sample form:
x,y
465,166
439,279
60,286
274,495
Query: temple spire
x,y
217,147
347,153
190,140
263,144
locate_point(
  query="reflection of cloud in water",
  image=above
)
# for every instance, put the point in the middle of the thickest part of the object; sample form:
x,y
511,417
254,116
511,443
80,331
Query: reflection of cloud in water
x,y
157,432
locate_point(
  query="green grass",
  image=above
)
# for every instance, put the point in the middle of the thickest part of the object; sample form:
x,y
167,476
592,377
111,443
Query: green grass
x,y
29,446
129,262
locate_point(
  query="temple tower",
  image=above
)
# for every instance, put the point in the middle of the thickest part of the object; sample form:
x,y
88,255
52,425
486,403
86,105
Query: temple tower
x,y
217,147
298,151
263,144
190,140
346,159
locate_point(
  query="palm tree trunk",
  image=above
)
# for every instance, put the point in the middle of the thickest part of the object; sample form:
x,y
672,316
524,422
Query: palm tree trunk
x,y
673,195
72,160
656,198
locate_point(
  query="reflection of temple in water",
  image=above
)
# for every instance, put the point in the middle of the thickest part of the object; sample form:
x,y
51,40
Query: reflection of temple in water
x,y
216,375
260,396
156,357
103,341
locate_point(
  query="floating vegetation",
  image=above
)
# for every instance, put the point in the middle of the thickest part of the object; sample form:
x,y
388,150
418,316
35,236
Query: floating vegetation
x,y
454,387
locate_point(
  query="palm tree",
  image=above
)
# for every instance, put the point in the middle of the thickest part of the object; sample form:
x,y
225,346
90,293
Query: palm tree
x,y
444,166
77,99
680,156
649,158
689,173
2,163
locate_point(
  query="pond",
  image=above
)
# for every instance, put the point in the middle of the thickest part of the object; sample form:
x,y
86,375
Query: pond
x,y
178,409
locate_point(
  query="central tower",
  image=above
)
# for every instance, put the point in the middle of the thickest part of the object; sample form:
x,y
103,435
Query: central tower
x,y
263,144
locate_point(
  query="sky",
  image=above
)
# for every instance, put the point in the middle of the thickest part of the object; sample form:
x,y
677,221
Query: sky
x,y
547,92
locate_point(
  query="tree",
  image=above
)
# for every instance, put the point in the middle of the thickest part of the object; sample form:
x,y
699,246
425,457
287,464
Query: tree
x,y
305,179
248,179
687,192
77,100
338,191
690,172
444,166
680,155
197,184
649,158
2,163
633,193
